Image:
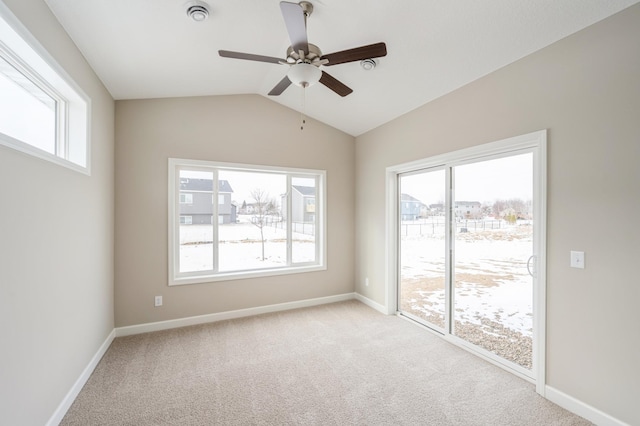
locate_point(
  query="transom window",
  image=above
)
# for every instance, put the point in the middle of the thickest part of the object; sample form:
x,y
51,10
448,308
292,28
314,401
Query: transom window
x,y
42,111
267,221
22,104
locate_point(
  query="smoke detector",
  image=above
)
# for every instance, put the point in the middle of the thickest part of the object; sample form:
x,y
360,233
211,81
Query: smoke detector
x,y
198,11
368,64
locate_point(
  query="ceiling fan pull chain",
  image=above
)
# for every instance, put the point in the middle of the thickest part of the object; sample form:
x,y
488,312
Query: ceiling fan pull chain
x,y
302,110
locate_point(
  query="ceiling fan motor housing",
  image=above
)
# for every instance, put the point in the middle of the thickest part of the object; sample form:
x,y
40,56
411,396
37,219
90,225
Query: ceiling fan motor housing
x,y
294,57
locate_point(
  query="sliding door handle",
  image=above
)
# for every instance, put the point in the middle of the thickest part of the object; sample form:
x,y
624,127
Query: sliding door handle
x,y
529,263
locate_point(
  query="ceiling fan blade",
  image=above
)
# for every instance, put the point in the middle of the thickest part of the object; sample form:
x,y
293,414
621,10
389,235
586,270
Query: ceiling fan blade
x,y
335,85
376,50
280,87
249,57
296,24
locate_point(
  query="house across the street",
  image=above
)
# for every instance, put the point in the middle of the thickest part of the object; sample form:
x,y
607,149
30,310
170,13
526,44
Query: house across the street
x,y
196,202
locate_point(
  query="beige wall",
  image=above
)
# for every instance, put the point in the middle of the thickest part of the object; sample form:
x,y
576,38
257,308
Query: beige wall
x,y
56,251
586,90
241,129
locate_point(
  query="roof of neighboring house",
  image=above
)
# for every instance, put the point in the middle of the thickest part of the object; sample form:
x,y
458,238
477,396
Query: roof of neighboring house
x,y
223,186
189,184
407,197
305,190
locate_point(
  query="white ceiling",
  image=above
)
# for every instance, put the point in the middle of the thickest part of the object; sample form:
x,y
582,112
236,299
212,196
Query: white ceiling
x,y
151,49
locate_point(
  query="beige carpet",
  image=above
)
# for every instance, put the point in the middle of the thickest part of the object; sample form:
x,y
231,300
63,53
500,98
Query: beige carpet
x,y
337,364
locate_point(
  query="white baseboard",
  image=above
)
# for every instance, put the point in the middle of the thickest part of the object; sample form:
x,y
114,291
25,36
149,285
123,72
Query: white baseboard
x,y
558,397
370,303
580,408
221,316
64,406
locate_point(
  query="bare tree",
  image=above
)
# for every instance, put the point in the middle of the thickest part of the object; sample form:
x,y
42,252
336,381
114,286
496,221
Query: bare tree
x,y
512,209
264,208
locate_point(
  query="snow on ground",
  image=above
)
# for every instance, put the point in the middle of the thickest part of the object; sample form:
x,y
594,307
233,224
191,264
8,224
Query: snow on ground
x,y
240,247
492,281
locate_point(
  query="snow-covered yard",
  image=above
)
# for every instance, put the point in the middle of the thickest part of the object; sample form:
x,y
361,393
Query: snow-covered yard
x,y
492,301
240,247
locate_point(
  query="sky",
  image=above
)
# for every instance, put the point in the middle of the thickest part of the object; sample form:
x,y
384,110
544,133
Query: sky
x,y
484,181
243,182
19,109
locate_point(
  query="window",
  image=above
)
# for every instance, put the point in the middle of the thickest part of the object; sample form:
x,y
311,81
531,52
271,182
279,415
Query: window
x,y
280,228
186,198
42,111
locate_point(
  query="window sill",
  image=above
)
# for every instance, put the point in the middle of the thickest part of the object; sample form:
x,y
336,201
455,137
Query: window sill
x,y
230,276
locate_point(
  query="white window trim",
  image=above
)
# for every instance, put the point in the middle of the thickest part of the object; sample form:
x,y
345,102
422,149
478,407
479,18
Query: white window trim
x,y
175,278
73,141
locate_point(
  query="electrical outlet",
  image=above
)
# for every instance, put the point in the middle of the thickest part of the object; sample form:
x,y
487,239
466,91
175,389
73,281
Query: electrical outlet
x,y
157,301
366,282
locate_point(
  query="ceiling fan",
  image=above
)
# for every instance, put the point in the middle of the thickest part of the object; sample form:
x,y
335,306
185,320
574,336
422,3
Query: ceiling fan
x,y
304,59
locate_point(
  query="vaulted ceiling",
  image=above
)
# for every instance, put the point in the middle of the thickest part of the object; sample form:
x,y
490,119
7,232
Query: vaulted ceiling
x,y
152,49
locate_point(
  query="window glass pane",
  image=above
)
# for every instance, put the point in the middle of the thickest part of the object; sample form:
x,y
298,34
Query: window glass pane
x,y
422,246
27,113
303,219
493,289
251,232
196,231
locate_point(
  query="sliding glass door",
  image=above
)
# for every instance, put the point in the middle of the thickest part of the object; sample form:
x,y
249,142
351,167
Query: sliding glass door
x,y
468,243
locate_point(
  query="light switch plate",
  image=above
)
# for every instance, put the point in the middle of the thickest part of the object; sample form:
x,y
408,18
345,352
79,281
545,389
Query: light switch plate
x,y
577,259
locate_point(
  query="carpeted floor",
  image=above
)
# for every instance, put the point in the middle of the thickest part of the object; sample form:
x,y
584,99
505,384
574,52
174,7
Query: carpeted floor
x,y
337,364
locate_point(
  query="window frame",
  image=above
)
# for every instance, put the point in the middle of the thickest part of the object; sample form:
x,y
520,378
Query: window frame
x,y
181,278
73,107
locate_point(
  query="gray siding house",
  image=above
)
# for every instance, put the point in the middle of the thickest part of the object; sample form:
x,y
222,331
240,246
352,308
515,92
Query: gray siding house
x,y
303,204
196,202
410,207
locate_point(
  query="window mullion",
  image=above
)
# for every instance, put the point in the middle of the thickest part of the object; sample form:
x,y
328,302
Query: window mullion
x,y
215,240
319,217
175,217
62,140
289,223
449,248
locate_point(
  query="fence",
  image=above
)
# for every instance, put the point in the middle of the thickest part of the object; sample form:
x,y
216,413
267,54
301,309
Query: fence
x,y
306,228
411,228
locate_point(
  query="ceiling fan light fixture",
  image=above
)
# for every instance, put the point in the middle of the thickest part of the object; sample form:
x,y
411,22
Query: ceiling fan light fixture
x,y
304,75
198,11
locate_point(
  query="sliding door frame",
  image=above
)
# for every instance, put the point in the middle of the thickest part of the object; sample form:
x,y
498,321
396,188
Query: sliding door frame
x,y
536,142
